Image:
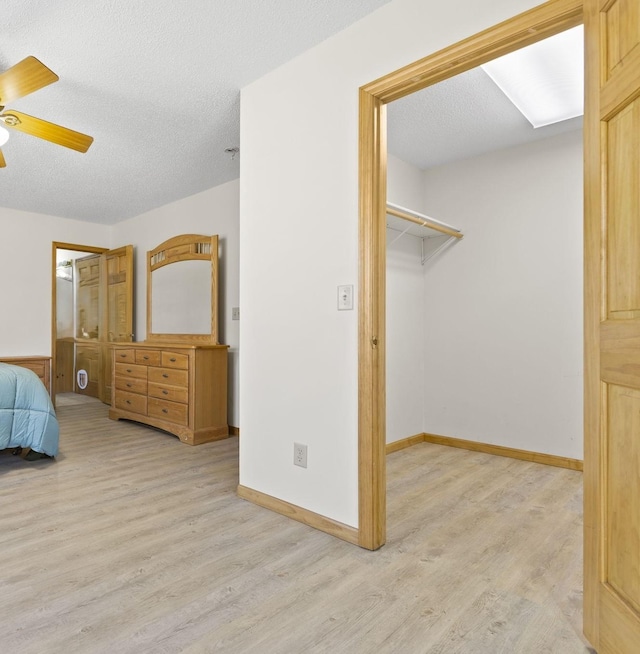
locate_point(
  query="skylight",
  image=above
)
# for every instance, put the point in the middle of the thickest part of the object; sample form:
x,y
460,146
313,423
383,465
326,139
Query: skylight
x,y
545,80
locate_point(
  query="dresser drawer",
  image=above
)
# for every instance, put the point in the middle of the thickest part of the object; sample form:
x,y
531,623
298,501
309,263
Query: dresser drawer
x,y
148,357
131,384
125,356
172,393
175,360
131,402
131,370
171,411
169,377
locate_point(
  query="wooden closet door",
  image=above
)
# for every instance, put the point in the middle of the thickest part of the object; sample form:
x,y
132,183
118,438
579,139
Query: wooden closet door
x,y
117,315
612,372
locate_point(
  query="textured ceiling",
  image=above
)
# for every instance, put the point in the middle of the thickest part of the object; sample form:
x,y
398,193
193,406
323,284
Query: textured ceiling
x,y
156,83
462,117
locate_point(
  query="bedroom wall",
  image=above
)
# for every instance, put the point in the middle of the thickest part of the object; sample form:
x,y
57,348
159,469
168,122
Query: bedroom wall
x,y
214,211
405,309
25,252
299,241
503,308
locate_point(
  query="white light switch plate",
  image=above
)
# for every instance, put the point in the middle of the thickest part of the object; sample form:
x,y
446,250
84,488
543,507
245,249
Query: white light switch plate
x,y
345,298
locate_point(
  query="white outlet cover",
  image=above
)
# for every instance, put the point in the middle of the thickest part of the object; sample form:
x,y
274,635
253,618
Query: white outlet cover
x,y
300,455
345,297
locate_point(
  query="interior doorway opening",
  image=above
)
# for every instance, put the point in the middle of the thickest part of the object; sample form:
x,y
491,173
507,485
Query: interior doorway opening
x,y
525,29
484,334
92,307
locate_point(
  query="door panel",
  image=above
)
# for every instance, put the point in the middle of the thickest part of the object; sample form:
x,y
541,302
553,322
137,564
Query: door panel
x,y
119,278
612,281
622,485
623,226
87,276
622,29
88,359
117,318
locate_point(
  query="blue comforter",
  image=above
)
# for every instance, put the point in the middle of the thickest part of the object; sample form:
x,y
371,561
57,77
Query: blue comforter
x,y
27,418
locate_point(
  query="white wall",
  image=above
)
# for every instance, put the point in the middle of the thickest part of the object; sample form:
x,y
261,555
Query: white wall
x,y
214,211
299,241
26,255
405,309
64,314
503,307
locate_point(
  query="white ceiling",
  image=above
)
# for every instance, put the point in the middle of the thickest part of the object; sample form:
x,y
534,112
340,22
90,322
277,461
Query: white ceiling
x,y
156,83
462,117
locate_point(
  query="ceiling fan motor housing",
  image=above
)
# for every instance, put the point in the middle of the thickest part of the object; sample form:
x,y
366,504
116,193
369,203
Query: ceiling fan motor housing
x,y
10,120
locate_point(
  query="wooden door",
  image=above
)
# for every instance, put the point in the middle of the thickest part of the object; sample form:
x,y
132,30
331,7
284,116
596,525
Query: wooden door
x,y
118,309
63,381
119,294
88,359
612,333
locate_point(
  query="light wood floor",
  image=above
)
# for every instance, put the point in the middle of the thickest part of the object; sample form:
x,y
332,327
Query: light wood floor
x,y
134,542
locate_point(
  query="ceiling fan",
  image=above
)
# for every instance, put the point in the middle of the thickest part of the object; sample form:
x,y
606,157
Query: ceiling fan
x,y
25,77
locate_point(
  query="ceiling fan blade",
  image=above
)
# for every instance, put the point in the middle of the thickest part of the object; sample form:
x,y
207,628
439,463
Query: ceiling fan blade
x,y
25,77
3,163
47,131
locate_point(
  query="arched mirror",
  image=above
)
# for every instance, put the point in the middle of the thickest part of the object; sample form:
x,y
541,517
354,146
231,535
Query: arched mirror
x,y
182,290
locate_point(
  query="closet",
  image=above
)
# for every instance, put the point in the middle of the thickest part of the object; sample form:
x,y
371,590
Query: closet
x,y
484,333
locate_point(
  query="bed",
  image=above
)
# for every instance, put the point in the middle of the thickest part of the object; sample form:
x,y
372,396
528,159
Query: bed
x,y
27,417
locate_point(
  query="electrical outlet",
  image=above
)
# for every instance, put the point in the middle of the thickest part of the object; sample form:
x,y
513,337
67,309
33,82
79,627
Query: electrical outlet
x,y
345,298
300,455
235,313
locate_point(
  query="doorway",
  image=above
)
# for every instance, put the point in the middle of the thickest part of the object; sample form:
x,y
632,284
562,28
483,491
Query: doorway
x,y
92,307
530,27
484,332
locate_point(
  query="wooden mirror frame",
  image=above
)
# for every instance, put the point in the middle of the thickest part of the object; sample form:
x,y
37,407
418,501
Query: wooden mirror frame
x,y
185,247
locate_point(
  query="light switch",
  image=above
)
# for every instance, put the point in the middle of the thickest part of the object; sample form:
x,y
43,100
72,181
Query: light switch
x,y
345,298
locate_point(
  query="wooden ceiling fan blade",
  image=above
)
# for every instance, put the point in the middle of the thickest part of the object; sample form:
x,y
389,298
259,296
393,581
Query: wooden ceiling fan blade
x,y
25,77
47,131
3,163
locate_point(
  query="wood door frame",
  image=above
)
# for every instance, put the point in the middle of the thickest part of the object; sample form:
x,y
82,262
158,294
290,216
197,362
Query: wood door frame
x,y
534,25
55,246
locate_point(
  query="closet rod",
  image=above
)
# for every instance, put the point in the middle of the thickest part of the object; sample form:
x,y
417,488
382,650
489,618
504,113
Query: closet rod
x,y
423,221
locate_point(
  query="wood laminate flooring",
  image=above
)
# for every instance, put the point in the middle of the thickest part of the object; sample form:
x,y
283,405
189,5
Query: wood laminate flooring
x,y
132,542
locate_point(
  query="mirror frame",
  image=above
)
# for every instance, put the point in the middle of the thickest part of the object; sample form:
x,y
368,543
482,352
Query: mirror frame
x,y
185,247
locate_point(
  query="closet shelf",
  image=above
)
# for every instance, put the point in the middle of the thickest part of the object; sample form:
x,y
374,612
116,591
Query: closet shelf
x,y
421,226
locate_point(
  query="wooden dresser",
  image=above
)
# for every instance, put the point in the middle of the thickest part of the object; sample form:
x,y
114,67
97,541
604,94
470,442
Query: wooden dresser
x,y
40,365
180,388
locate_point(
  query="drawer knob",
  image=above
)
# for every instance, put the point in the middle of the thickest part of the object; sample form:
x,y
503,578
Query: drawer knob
x,y
123,356
128,401
172,359
165,392
165,410
128,369
164,374
146,358
128,385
